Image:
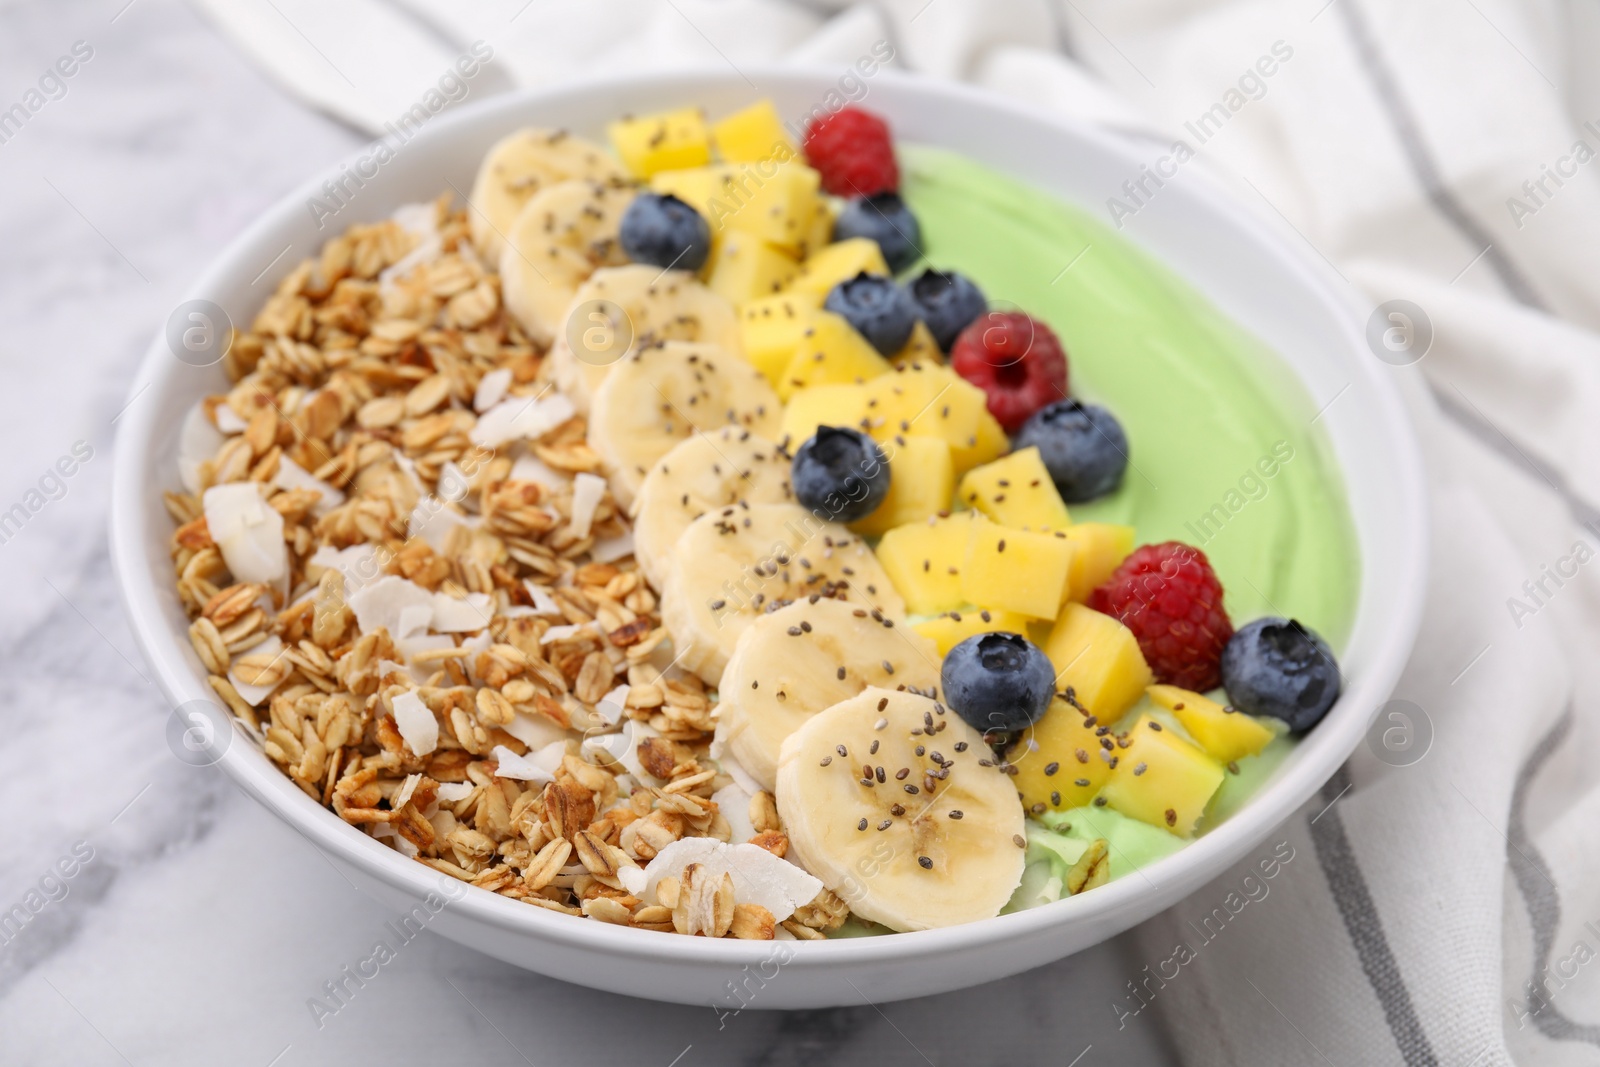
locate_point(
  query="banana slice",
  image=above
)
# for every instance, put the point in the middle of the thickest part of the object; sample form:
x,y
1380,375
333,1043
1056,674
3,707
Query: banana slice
x,y
910,852
662,394
520,165
624,308
731,566
805,658
561,236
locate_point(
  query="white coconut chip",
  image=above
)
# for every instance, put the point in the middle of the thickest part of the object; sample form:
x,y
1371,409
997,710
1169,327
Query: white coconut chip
x,y
491,389
293,476
540,766
451,792
535,731
198,441
452,615
381,604
417,726
735,770
433,520
402,796
358,563
611,706
733,803
587,491
248,531
543,602
633,879
530,468
255,694
561,633
759,877
623,747
611,549
228,420
521,416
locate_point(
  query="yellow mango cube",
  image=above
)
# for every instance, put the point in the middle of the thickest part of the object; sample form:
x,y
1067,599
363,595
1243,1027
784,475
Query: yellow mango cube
x,y
830,350
776,202
1016,491
1224,733
1098,548
920,347
1162,779
671,140
923,400
989,442
924,560
770,329
842,404
1100,659
753,135
839,262
742,267
953,627
1014,569
1065,764
820,233
921,479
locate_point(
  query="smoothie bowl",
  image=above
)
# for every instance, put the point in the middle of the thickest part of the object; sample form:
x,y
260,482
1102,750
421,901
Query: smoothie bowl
x,y
642,533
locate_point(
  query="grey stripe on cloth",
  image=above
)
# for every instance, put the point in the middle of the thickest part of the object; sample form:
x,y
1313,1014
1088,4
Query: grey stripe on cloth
x,y
1409,134
1538,891
1361,922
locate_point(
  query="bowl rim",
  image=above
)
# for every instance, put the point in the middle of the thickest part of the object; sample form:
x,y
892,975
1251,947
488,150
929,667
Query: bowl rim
x,y
1172,877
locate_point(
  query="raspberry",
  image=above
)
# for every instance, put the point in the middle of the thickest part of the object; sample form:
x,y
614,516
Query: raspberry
x,y
852,150
1170,598
1017,361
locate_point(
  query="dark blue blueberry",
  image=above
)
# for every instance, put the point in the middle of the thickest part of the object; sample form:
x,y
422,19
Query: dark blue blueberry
x,y
1278,667
998,682
1083,448
663,231
880,310
841,475
948,302
886,219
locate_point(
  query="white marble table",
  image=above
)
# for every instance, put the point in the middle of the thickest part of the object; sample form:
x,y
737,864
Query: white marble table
x,y
200,926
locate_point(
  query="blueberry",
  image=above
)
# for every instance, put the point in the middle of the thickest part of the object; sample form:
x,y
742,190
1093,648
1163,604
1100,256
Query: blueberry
x,y
880,310
1278,667
663,231
998,682
948,302
1083,448
886,219
841,475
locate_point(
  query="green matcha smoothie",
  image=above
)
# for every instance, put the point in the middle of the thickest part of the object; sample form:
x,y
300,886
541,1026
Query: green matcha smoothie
x,y
1224,454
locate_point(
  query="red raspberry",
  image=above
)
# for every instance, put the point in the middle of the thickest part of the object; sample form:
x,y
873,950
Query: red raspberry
x,y
852,150
1016,360
1170,598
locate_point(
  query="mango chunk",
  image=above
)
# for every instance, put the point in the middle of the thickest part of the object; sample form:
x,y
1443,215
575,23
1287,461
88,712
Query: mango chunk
x,y
1098,548
843,404
920,347
1162,779
953,627
671,140
839,262
780,208
1014,569
1016,491
924,559
820,233
1060,761
830,351
988,443
743,267
1225,734
921,479
1100,659
924,400
753,135
770,328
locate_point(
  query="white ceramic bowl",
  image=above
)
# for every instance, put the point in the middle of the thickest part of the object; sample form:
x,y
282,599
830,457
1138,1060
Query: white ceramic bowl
x,y
1296,304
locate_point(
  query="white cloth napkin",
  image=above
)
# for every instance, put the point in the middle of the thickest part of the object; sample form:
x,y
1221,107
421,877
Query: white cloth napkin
x,y
1441,911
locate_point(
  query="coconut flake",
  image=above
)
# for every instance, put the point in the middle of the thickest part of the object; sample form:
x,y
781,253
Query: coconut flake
x,y
248,531
451,792
560,633
382,603
623,747
454,484
543,602
228,420
735,770
358,563
534,731
733,803
541,766
416,723
530,468
198,441
452,615
611,549
491,389
433,520
611,705
587,491
521,416
293,476
633,879
255,694
759,877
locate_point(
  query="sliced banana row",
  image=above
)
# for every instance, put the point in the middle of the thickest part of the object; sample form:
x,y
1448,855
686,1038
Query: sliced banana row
x,y
519,166
703,473
730,566
805,658
885,798
563,234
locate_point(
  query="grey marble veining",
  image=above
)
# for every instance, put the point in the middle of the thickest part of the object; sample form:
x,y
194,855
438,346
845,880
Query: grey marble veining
x,y
199,926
